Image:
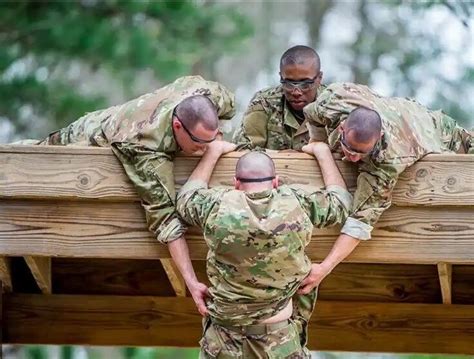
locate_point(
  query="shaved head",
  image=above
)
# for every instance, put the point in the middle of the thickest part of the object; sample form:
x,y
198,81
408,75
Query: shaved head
x,y
255,165
197,109
363,125
298,55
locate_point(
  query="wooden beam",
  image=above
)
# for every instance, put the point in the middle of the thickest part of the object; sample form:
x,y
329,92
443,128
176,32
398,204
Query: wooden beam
x,y
174,276
41,269
445,279
153,321
117,230
27,172
5,274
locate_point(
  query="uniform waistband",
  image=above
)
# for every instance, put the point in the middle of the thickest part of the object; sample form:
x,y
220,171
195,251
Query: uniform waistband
x,y
253,329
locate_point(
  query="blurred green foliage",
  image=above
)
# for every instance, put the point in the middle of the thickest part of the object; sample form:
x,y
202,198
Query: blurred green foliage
x,y
40,41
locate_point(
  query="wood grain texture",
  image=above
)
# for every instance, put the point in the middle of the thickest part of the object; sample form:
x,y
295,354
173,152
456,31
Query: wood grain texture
x,y
463,284
118,230
153,321
445,280
174,276
66,173
41,269
5,274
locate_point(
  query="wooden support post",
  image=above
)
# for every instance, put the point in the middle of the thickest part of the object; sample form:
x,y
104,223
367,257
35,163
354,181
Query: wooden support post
x,y
5,274
41,269
174,277
445,275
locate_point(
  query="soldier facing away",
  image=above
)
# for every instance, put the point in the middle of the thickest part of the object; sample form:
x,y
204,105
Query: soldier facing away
x,y
146,133
274,118
256,235
384,136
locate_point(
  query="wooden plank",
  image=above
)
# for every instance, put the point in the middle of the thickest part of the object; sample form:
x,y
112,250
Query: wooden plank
x,y
110,277
117,230
153,321
41,269
65,173
463,284
445,280
5,274
174,276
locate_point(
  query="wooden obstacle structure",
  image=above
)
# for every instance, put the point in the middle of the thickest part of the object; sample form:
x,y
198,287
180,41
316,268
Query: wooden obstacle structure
x,y
78,266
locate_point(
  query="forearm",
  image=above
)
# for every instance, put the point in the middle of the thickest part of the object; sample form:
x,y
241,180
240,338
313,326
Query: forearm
x,y
329,169
343,246
180,254
203,170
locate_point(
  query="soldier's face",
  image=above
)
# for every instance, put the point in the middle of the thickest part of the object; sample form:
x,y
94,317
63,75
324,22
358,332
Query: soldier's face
x,y
195,140
300,83
353,150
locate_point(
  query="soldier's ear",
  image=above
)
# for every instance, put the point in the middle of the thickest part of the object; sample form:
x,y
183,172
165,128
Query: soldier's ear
x,y
176,124
381,134
340,128
275,182
236,183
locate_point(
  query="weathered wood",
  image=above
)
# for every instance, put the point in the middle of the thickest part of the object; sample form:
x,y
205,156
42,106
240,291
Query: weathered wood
x,y
445,280
5,274
66,173
118,230
463,284
152,321
174,276
41,269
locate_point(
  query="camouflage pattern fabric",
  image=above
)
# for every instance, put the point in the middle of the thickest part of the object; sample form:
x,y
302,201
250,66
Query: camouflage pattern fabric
x,y
410,131
269,123
256,259
141,136
279,340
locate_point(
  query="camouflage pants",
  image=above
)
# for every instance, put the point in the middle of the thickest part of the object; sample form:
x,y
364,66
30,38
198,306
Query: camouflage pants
x,y
279,340
303,307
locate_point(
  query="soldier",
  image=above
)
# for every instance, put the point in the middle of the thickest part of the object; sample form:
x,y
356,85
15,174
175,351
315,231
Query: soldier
x,y
384,136
256,234
146,133
274,118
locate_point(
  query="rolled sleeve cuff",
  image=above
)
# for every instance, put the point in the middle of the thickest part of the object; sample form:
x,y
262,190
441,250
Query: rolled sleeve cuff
x,y
344,196
192,186
174,230
357,229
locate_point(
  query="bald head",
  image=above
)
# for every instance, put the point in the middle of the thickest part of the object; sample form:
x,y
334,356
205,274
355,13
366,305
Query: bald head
x,y
255,165
364,125
298,55
197,109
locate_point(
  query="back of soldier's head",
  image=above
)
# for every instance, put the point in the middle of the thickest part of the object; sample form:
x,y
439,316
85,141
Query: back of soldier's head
x,y
197,109
254,167
298,55
363,125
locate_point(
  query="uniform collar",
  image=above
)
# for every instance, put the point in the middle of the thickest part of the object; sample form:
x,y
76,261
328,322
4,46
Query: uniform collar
x,y
259,195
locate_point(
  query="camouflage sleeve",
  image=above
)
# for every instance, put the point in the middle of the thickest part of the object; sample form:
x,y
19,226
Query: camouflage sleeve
x,y
253,129
196,202
372,197
152,174
325,207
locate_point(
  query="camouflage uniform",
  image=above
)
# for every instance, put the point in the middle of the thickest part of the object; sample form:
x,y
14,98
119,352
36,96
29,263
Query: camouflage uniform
x,y
256,261
410,131
141,136
269,123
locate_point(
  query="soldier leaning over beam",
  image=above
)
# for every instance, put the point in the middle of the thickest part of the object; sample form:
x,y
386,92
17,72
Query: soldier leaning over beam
x,y
256,234
146,133
385,136
274,118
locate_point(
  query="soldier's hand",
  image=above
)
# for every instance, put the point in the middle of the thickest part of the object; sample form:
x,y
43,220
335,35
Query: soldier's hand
x,y
199,292
315,276
221,147
314,147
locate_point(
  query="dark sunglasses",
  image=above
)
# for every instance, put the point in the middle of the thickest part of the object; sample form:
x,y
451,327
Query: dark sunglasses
x,y
194,138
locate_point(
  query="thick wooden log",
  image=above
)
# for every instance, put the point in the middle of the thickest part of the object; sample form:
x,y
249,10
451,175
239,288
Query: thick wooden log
x,y
66,173
5,274
153,321
40,268
117,230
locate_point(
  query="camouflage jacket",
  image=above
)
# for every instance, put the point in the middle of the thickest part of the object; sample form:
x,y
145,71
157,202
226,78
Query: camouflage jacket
x,y
141,136
269,123
410,131
256,259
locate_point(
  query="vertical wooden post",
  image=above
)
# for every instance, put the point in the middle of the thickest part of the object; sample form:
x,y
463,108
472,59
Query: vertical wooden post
x,y
445,271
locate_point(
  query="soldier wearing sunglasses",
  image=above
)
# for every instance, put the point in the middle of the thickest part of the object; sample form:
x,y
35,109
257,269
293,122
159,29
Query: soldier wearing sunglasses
x,y
384,136
274,118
